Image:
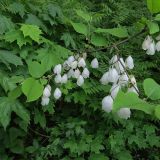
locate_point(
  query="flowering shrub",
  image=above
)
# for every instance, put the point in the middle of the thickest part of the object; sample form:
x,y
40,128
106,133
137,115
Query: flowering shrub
x,y
67,80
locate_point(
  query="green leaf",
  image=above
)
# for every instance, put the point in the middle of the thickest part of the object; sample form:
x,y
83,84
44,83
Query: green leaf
x,y
16,35
14,94
118,32
157,18
40,118
7,106
31,31
80,28
32,89
157,112
36,69
152,89
98,157
8,57
153,27
98,40
153,6
5,24
132,101
84,15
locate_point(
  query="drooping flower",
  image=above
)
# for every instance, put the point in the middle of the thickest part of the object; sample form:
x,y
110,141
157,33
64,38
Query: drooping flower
x,y
114,90
45,101
74,64
123,79
133,80
124,113
70,73
107,104
77,73
104,79
113,75
120,66
81,62
152,49
64,78
58,69
146,43
70,59
80,80
113,60
58,78
47,91
57,93
158,46
85,73
129,62
95,63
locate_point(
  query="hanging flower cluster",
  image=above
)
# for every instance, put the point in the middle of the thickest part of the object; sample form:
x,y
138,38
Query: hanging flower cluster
x,y
74,67
150,46
118,76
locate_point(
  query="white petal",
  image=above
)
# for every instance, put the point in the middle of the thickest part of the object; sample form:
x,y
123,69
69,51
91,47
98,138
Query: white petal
x,y
77,73
58,69
113,75
146,43
152,49
81,63
95,63
158,46
70,73
45,101
85,73
123,79
104,79
74,65
64,78
57,93
58,78
113,60
133,89
46,92
114,90
80,81
70,59
107,104
129,62
124,113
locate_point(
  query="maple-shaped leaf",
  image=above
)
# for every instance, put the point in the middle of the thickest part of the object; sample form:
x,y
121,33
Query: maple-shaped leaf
x,y
17,35
31,31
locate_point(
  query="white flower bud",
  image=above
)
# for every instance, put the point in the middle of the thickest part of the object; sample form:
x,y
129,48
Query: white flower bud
x,y
152,49
70,73
120,66
104,79
64,78
66,65
158,46
57,93
47,92
80,81
81,63
114,90
133,80
107,104
77,73
113,75
124,113
58,78
85,73
70,59
74,65
123,79
146,43
133,89
113,60
49,87
45,101
58,69
129,62
95,63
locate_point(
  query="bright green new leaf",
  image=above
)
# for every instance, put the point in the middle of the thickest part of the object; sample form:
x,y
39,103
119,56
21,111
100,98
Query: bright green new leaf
x,y
132,101
32,89
153,6
157,18
118,32
152,89
157,112
84,15
36,69
98,40
31,31
153,27
80,28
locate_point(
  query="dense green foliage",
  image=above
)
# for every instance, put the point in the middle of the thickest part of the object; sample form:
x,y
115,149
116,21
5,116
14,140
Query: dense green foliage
x,y
37,35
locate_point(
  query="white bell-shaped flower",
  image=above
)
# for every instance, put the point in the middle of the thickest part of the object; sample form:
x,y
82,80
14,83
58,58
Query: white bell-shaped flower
x,y
81,62
85,73
133,80
49,87
133,89
158,46
129,62
77,73
74,64
95,63
146,43
120,66
105,79
58,69
64,78
66,66
123,79
57,93
113,75
45,101
152,49
124,113
113,60
107,104
71,59
80,81
47,91
114,90
70,73
58,78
